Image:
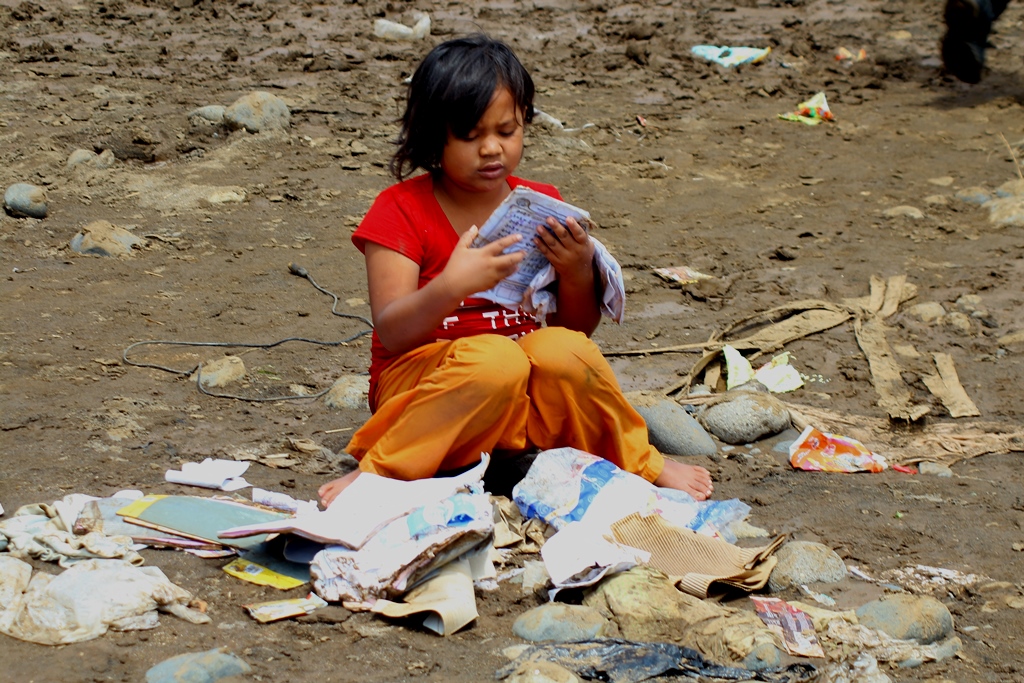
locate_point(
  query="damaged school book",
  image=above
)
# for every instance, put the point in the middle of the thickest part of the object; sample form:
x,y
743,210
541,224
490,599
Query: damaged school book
x,y
521,212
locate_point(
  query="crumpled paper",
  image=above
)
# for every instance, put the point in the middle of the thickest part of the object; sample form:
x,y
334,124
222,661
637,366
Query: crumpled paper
x,y
812,112
40,532
86,600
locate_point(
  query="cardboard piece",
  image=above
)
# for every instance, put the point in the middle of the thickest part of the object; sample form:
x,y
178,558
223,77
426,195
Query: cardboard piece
x,y
947,388
202,519
694,561
893,394
101,515
447,598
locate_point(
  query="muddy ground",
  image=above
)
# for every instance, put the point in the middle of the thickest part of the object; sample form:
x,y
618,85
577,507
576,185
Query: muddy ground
x,y
777,210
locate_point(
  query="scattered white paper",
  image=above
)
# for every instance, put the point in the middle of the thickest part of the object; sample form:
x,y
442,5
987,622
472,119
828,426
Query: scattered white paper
x,y
211,473
365,507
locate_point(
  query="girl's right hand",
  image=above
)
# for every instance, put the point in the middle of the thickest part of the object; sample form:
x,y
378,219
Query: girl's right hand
x,y
472,270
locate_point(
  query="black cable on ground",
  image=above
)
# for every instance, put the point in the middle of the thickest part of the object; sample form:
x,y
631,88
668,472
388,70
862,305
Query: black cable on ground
x,y
295,270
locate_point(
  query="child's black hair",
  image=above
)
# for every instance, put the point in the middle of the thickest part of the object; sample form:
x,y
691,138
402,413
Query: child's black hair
x,y
450,92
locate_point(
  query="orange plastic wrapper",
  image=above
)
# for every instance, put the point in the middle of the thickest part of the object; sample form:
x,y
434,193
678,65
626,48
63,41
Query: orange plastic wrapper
x,y
819,451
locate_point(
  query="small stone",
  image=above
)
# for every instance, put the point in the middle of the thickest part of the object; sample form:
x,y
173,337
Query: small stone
x,y
944,181
559,622
1012,338
744,417
1011,188
936,200
349,392
959,321
935,468
80,156
969,303
974,195
542,672
200,667
908,617
221,371
332,614
903,211
929,311
226,196
102,238
670,428
804,562
1007,211
213,113
104,160
257,112
358,148
23,200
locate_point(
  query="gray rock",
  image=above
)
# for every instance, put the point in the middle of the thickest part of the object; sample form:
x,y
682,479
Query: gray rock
x,y
935,468
25,200
349,392
802,562
198,667
670,428
941,651
559,622
86,158
213,113
908,617
257,112
974,195
744,417
101,238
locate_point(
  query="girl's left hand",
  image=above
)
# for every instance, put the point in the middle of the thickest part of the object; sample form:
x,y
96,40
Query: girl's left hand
x,y
568,247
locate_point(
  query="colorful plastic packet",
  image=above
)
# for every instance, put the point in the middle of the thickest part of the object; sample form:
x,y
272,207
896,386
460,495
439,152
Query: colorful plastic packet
x,y
812,112
793,624
819,451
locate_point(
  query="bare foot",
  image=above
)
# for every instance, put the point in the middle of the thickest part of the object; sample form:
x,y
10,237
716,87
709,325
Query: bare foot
x,y
693,479
329,491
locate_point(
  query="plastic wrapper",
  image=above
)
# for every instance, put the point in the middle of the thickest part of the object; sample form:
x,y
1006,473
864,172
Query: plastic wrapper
x,y
819,451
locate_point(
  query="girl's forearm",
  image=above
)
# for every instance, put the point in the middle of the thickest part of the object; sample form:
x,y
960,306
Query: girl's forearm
x,y
579,302
410,321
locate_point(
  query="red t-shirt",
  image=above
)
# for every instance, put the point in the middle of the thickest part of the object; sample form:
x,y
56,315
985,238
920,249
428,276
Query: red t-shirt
x,y
407,218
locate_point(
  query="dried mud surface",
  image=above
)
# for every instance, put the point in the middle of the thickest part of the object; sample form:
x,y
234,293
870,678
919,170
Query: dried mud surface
x,y
776,210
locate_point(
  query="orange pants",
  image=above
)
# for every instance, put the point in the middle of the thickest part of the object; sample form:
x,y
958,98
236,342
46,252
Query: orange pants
x,y
443,404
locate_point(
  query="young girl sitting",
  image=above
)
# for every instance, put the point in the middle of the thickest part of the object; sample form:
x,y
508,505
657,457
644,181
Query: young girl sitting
x,y
452,376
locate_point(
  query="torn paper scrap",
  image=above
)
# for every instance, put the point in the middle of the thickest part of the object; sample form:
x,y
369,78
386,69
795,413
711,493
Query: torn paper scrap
x,y
778,375
819,451
731,56
446,599
947,388
737,368
211,473
684,275
792,624
407,549
275,610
